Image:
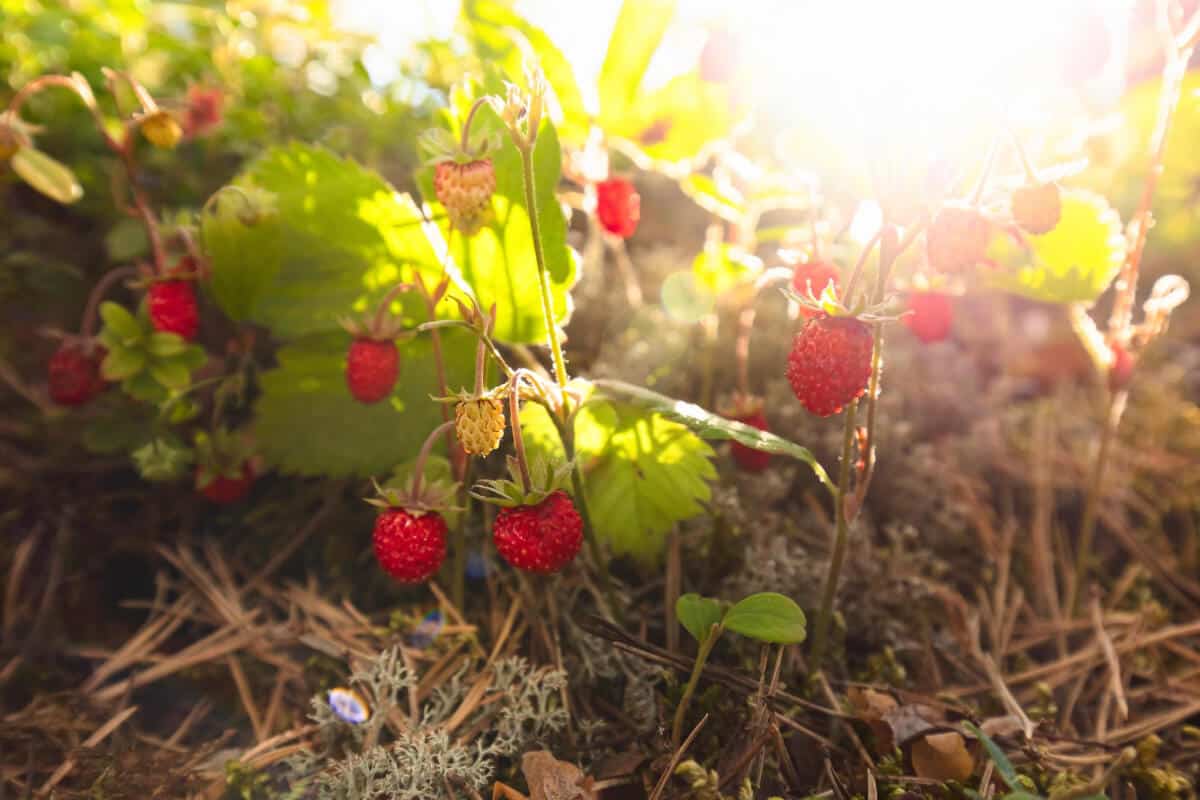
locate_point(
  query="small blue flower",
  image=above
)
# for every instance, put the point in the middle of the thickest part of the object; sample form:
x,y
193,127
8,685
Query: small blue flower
x,y
427,630
349,706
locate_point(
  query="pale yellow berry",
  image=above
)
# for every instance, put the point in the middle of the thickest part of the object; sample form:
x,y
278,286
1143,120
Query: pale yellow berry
x,y
479,424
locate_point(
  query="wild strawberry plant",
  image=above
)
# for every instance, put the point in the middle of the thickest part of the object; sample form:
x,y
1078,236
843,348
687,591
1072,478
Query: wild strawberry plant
x,y
372,326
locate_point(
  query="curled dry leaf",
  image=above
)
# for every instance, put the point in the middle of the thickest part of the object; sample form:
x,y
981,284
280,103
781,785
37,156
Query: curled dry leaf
x,y
942,757
871,706
552,779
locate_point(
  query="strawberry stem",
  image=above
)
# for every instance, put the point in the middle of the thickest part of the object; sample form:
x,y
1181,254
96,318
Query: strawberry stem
x,y
88,326
560,365
702,654
856,274
977,195
514,413
841,537
426,448
382,309
1031,173
466,130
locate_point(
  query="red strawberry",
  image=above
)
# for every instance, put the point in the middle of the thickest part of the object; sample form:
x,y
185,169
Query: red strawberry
x,y
410,547
830,363
223,489
542,537
748,458
1120,372
932,316
73,376
466,192
811,278
203,111
372,367
173,308
957,238
618,206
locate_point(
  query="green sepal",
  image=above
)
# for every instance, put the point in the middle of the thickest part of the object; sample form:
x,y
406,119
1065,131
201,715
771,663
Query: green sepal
x,y
543,482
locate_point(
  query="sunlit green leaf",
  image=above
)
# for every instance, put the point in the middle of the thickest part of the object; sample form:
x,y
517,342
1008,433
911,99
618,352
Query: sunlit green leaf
x,y
46,175
643,472
711,426
767,617
504,38
1074,263
638,31
347,239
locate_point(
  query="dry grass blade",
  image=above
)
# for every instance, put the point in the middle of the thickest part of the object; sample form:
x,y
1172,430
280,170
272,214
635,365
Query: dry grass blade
x,y
666,774
1110,655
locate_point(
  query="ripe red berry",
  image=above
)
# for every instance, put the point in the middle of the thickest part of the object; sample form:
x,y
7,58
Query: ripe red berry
x,y
745,457
619,206
173,308
1037,207
957,238
223,489
203,110
410,547
73,376
810,279
830,363
372,367
465,190
1120,372
542,537
931,317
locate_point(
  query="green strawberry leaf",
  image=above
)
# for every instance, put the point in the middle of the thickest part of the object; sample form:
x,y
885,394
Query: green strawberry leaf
x,y
307,393
46,175
677,121
243,237
711,426
698,614
498,263
706,193
1074,263
719,269
165,344
142,386
120,364
122,323
346,237
172,374
502,37
644,473
635,38
767,617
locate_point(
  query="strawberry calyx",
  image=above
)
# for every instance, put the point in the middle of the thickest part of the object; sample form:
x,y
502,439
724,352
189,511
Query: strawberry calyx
x,y
432,497
222,454
511,492
420,496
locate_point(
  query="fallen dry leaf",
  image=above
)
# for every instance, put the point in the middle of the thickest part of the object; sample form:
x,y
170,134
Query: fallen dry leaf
x,y
942,757
552,779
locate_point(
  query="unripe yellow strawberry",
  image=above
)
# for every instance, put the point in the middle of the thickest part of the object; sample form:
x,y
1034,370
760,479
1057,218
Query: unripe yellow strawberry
x,y
1037,207
479,424
161,129
466,192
